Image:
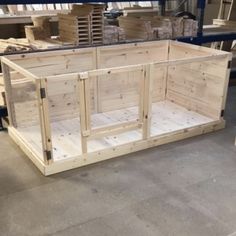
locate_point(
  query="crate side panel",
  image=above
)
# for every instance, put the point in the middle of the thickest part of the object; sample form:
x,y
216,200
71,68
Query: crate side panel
x,y
199,86
24,97
63,99
59,64
131,54
120,90
194,50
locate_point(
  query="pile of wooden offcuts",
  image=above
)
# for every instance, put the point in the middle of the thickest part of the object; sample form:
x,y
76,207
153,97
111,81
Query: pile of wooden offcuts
x,y
84,25
113,34
40,29
15,45
157,27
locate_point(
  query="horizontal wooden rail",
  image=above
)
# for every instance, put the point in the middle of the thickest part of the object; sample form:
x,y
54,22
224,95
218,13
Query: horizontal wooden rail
x,y
114,129
70,76
18,68
129,68
108,71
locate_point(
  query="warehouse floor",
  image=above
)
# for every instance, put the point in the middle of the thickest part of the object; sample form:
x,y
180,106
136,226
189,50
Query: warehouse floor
x,y
185,188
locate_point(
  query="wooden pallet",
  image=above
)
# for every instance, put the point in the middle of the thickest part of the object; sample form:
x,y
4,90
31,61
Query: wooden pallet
x,y
75,107
97,24
84,25
75,29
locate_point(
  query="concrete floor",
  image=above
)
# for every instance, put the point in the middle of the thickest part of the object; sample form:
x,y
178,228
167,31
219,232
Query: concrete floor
x,y
185,188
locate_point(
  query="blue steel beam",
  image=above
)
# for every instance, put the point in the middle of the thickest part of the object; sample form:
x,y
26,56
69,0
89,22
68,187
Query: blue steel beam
x,y
209,38
14,2
201,4
233,74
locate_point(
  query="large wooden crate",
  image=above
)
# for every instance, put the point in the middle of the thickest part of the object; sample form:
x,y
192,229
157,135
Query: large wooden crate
x,y
75,107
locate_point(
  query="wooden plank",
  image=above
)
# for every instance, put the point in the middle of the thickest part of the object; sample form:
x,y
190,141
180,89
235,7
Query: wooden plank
x,y
198,86
114,129
83,115
147,104
44,121
87,104
18,68
9,97
109,71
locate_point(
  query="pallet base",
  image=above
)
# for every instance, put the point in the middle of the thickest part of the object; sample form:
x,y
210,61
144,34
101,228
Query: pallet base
x,y
188,125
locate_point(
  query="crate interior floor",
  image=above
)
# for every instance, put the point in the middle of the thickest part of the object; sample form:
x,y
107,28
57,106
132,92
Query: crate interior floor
x,y
167,117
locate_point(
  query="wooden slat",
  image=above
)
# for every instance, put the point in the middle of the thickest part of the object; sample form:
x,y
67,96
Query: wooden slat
x,y
9,97
44,121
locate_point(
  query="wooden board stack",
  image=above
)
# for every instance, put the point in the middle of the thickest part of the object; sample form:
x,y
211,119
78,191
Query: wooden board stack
x,y
40,30
113,34
136,28
190,27
83,25
157,27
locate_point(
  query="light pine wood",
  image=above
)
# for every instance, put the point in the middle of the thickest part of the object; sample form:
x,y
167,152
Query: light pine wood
x,y
44,120
107,101
8,90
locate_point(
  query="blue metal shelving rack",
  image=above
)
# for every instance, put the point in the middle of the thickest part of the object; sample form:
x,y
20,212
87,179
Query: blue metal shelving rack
x,y
201,36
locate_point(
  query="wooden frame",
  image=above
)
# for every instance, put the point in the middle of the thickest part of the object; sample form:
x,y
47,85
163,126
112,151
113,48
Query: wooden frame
x,y
97,103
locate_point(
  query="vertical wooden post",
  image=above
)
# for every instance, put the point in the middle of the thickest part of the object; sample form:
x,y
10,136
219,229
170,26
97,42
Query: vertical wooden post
x,y
41,86
96,64
167,69
83,114
147,100
87,104
228,62
141,95
98,81
9,97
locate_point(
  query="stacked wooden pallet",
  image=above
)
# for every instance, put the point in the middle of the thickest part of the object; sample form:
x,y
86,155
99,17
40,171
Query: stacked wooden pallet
x,y
83,25
97,24
75,26
40,30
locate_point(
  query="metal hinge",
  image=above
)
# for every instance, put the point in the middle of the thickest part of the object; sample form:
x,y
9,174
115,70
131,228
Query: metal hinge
x,y
229,64
42,93
48,155
222,113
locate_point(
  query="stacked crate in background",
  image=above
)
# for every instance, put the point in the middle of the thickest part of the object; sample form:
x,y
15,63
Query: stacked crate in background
x,y
83,25
75,26
97,24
